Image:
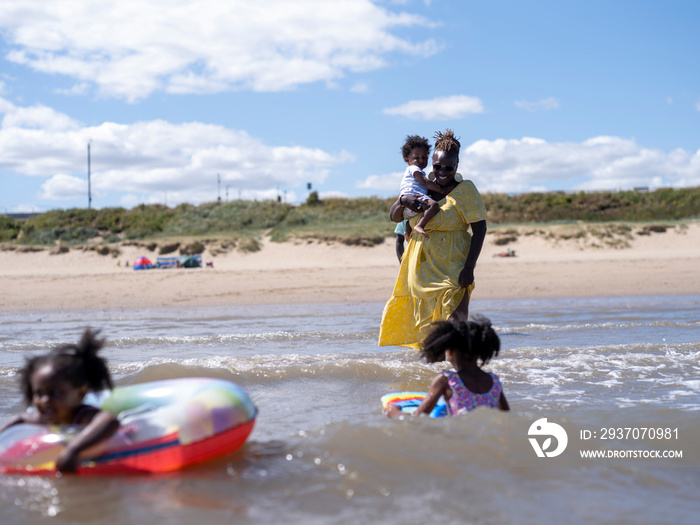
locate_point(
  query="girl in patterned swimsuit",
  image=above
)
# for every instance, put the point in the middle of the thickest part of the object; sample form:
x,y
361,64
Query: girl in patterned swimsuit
x,y
54,386
467,346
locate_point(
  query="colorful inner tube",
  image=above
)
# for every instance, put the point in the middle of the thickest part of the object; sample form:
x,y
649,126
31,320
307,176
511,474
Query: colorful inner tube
x,y
164,426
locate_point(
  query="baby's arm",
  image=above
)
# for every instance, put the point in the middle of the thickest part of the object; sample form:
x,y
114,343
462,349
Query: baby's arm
x,y
102,426
426,182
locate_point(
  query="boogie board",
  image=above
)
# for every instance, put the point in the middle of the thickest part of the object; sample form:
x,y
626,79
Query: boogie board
x,y
408,402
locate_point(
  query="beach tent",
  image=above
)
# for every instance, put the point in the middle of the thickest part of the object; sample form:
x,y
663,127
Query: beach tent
x,y
142,263
190,261
183,261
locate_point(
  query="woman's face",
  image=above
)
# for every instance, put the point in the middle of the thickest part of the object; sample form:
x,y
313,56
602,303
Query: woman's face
x,y
444,167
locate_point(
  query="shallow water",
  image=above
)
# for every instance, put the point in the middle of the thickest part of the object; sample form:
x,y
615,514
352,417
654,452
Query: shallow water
x,y
322,452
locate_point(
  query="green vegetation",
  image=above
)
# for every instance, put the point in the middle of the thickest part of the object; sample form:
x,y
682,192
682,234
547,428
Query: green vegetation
x,y
663,204
362,221
9,229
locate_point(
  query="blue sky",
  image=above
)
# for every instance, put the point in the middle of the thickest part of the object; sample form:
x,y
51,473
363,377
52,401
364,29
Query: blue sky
x,y
270,95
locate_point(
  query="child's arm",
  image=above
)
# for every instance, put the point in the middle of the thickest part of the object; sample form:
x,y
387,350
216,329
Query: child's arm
x,y
14,421
102,426
29,416
437,388
399,245
426,182
503,402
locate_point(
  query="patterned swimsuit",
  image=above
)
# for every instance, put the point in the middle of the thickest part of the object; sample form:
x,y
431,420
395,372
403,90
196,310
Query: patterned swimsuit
x,y
82,410
464,400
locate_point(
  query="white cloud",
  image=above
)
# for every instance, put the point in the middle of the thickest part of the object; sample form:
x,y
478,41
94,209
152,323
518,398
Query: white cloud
x,y
82,88
441,108
63,186
388,182
546,103
599,163
697,105
35,117
152,158
360,87
131,48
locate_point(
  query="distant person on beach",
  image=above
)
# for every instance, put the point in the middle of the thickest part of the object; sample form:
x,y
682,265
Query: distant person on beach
x,y
436,276
468,346
415,183
400,232
54,386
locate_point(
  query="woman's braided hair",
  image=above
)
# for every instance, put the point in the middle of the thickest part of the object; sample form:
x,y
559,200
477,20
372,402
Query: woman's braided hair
x,y
475,338
78,364
447,142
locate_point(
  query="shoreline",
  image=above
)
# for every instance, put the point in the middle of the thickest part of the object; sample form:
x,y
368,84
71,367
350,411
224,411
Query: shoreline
x,y
546,265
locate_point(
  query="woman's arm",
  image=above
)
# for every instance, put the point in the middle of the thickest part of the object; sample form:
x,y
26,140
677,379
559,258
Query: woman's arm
x,y
102,426
466,276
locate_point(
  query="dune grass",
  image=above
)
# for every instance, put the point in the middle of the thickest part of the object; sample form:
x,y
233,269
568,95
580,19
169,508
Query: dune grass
x,y
362,221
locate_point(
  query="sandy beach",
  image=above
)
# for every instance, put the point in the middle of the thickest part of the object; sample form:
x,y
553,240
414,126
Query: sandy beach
x,y
548,263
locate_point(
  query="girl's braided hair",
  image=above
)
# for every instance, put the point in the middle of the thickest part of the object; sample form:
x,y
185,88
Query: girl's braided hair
x,y
476,338
414,141
78,364
447,142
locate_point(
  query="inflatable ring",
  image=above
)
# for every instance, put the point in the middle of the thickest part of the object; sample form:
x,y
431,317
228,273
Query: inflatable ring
x,y
164,426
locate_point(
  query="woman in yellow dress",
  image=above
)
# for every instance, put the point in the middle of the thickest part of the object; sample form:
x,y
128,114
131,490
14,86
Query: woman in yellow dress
x,y
436,277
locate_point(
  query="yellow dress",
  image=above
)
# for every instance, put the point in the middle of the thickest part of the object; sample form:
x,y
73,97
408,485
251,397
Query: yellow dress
x,y
427,289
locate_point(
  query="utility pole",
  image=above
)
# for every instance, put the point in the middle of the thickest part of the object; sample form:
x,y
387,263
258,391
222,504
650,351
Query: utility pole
x,y
227,186
89,189
218,182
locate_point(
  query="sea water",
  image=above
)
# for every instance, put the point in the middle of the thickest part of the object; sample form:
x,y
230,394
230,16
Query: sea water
x,y
322,452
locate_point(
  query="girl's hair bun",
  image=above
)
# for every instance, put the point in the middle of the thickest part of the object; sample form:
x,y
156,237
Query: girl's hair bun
x,y
480,320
